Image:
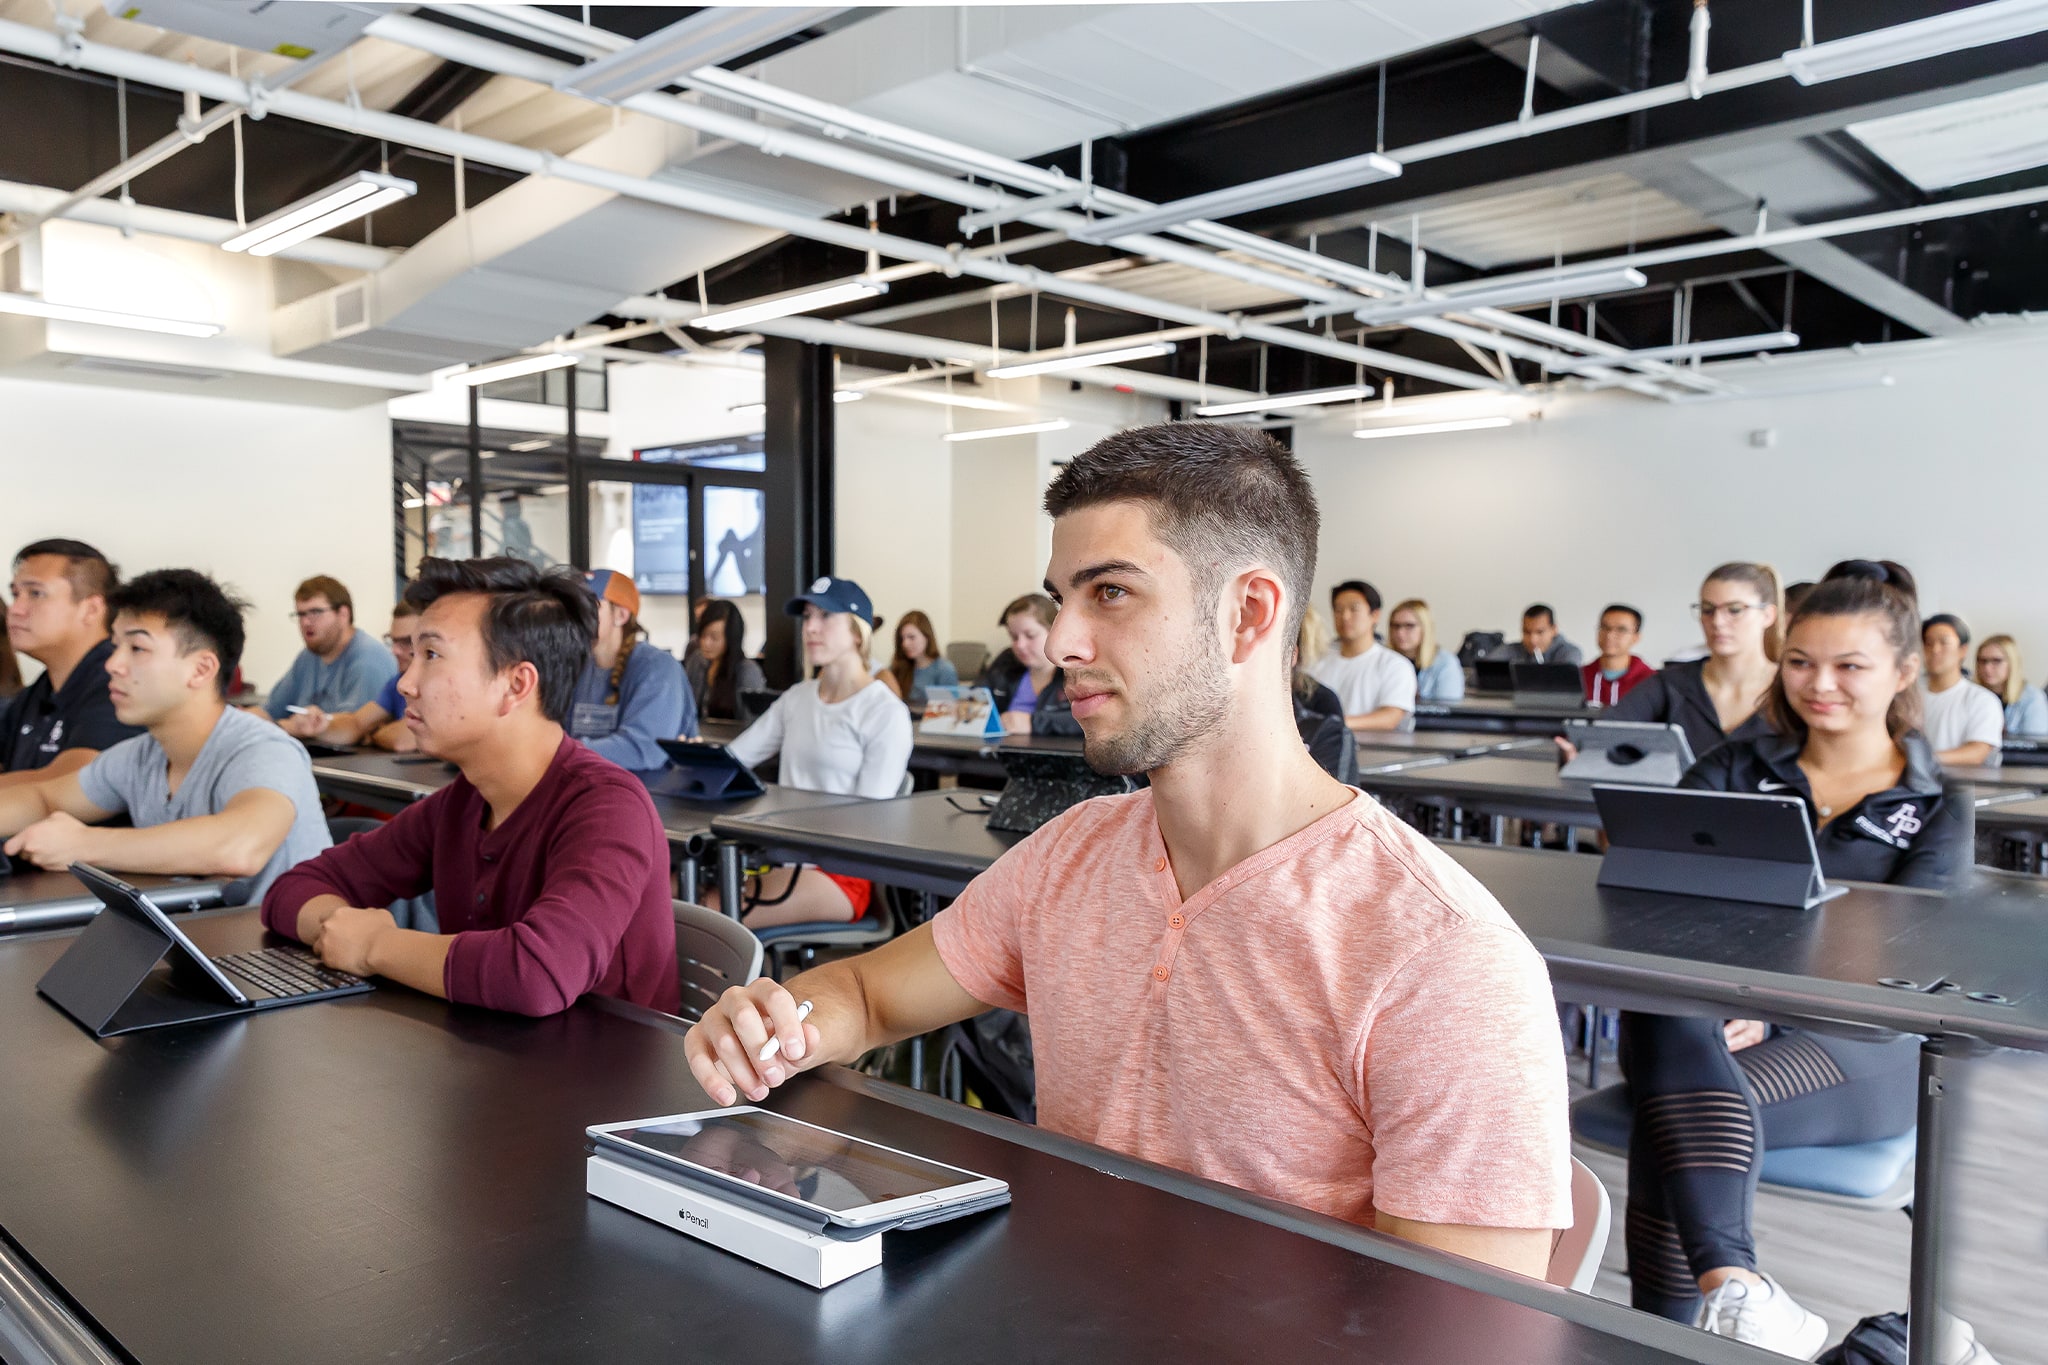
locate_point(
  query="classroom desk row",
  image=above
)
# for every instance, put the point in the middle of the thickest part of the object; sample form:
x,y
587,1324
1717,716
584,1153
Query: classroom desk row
x,y
1980,959
390,1177
35,899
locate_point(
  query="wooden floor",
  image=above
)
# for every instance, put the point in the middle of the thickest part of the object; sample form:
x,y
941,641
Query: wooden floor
x,y
1846,1265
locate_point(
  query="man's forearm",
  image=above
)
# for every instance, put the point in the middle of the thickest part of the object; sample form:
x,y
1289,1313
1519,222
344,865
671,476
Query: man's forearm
x,y
21,806
839,1011
412,959
70,761
313,914
206,845
1385,718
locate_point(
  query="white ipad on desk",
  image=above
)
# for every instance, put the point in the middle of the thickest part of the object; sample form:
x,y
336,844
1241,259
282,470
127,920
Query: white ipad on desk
x,y
812,1174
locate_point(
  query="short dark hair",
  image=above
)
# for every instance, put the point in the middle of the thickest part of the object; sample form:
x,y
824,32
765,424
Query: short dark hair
x,y
201,613
333,589
1539,612
1631,612
547,619
1220,496
89,572
1359,586
1949,619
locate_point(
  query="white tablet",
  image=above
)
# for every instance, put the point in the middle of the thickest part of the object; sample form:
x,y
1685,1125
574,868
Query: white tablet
x,y
814,1174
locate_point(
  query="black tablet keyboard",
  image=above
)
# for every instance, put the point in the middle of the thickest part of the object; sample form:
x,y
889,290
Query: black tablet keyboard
x,y
283,973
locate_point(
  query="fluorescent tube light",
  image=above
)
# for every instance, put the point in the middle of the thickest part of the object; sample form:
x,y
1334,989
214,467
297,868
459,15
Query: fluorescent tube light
x,y
1508,294
27,305
748,409
922,394
362,193
537,443
1429,428
1327,178
1306,399
1764,341
847,395
990,433
1933,36
1084,360
784,305
512,367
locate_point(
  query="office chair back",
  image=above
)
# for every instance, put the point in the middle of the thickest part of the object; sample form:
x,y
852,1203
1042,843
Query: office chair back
x,y
342,828
713,952
968,658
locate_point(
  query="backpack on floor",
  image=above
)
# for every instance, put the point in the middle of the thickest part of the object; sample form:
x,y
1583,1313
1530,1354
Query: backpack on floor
x,y
1873,1341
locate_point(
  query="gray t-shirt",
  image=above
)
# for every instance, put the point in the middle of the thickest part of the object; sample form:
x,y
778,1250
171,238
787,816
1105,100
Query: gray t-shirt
x,y
241,753
357,675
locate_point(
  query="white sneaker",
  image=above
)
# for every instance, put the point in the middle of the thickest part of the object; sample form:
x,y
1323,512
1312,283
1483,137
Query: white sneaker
x,y
1763,1315
1959,1345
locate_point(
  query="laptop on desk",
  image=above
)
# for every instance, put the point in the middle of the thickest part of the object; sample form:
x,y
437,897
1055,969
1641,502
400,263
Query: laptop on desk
x,y
1551,684
108,979
1493,675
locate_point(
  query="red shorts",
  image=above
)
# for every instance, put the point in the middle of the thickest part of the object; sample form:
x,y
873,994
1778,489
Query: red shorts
x,y
859,890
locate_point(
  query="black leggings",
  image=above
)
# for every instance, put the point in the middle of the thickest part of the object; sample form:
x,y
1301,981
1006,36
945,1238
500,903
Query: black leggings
x,y
1705,1116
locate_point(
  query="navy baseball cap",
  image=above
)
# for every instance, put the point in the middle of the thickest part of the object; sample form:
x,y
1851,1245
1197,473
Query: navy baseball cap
x,y
834,594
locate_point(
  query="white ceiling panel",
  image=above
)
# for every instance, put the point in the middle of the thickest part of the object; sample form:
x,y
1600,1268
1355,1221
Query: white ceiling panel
x,y
1970,140
1601,213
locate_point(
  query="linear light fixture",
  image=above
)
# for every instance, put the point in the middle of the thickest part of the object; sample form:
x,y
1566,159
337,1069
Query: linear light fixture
x,y
1273,402
1918,40
537,443
1082,360
513,367
1431,428
710,37
760,409
1508,294
1327,178
1763,341
990,433
362,193
29,306
784,305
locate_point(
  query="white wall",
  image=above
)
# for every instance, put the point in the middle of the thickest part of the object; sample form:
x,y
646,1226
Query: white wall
x,y
1613,496
260,495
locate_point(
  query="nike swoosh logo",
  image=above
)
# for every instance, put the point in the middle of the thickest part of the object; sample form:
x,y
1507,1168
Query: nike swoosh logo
x,y
1766,785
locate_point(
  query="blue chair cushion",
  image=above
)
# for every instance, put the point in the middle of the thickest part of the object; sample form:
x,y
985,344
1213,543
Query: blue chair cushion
x,y
1862,1170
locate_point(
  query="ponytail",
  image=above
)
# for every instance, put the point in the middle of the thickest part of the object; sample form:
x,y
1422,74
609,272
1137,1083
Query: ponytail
x,y
1860,587
1763,580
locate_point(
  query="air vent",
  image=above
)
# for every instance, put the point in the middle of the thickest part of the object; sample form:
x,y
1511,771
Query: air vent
x,y
351,309
149,369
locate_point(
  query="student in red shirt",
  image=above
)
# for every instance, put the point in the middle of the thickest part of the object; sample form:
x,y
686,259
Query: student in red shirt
x,y
548,864
1610,677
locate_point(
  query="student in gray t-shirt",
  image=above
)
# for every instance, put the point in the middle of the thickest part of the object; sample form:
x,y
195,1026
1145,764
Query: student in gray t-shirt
x,y
210,791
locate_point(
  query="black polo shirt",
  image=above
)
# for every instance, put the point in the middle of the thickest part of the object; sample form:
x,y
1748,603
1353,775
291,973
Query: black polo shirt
x,y
38,723
1914,834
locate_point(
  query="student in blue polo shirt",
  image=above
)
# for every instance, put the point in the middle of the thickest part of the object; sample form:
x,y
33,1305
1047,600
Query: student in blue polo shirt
x,y
57,615
1711,1096
631,694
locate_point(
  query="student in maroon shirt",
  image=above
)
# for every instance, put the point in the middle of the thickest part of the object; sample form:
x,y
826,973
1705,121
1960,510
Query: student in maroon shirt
x,y
1616,672
548,864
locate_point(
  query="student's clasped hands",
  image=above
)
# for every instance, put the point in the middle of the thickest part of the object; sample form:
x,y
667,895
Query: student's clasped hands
x,y
724,1047
346,933
52,843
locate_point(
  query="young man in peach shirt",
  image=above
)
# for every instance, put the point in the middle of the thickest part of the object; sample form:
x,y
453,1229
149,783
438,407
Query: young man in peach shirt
x,y
1247,971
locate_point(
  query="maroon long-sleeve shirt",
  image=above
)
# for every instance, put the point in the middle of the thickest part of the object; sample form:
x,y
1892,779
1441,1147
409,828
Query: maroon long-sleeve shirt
x,y
569,896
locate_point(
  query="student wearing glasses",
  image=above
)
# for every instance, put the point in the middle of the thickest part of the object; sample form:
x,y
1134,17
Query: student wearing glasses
x,y
1617,672
340,668
1411,633
1999,670
1718,698
1711,1096
1965,723
380,723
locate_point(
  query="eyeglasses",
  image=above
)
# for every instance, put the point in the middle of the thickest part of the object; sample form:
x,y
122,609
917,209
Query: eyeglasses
x,y
398,642
1734,611
311,613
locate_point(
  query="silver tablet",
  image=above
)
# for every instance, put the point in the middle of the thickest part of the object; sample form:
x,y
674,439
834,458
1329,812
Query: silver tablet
x,y
812,1171
1640,753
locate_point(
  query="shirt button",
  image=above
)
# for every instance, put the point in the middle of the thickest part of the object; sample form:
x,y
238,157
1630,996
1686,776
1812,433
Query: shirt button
x,y
1177,921
1159,973
1159,866
479,898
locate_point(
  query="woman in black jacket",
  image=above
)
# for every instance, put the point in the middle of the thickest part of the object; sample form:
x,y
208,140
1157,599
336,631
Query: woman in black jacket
x,y
1711,1096
1720,697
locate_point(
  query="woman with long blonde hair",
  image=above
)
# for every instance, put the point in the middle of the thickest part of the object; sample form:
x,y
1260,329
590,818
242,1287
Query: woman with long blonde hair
x,y
1999,669
1411,633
